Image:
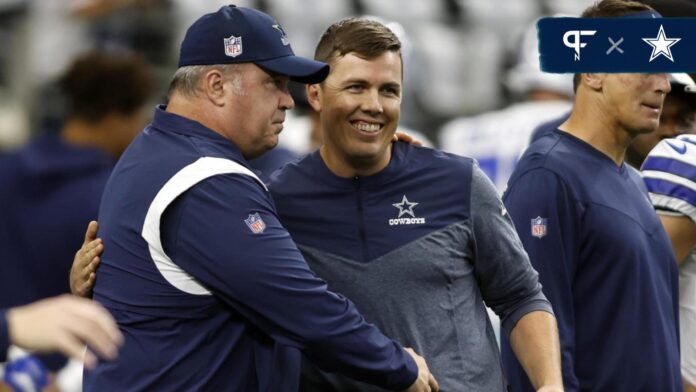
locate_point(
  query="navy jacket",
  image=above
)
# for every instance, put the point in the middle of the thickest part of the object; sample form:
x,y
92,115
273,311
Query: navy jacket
x,y
49,191
4,336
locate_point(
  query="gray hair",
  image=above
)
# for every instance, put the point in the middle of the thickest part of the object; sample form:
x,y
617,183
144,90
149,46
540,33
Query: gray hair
x,y
186,79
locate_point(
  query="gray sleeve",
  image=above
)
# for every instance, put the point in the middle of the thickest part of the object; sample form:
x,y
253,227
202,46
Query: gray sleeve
x,y
509,284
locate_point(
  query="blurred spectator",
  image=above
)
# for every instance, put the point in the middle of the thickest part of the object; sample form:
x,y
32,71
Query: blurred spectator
x,y
144,26
669,173
677,117
46,36
497,139
51,188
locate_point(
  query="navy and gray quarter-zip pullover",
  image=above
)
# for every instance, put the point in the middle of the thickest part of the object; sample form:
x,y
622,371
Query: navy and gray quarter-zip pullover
x,y
419,247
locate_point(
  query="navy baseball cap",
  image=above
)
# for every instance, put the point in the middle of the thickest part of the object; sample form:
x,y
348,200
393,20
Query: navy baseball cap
x,y
244,35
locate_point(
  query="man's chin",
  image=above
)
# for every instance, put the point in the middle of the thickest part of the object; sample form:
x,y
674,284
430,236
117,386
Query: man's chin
x,y
644,127
259,152
647,128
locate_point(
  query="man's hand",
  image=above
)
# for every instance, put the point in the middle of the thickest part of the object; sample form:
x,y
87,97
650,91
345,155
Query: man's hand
x,y
65,324
84,267
425,381
406,138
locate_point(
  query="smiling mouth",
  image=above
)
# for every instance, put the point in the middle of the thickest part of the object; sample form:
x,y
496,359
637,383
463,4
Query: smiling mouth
x,y
367,127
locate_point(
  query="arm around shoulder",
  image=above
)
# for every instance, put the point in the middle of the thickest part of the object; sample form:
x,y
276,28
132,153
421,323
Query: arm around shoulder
x,y
225,233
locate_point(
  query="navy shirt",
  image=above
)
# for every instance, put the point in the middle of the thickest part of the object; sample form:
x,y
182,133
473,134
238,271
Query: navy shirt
x,y
606,265
547,128
49,191
4,335
207,286
271,161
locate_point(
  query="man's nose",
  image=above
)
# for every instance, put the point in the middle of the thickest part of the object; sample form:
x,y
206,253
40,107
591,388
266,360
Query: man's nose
x,y
371,103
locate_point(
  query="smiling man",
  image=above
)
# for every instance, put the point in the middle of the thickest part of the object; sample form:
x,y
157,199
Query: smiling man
x,y
417,238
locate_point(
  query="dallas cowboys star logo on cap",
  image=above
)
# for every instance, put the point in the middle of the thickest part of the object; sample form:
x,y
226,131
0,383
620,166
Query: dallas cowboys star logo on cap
x,y
283,36
405,207
661,45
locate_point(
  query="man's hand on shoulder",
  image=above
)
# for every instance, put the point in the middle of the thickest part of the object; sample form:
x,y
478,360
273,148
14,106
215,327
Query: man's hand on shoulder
x,y
406,138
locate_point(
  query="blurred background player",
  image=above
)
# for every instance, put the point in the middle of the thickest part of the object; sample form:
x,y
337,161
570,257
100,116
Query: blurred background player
x,y
678,116
51,188
458,48
497,139
670,176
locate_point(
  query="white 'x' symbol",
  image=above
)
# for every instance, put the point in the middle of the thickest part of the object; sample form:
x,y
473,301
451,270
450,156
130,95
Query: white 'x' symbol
x,y
615,45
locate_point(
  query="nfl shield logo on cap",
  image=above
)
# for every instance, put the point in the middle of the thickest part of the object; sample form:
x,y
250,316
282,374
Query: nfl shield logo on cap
x,y
233,46
255,223
539,227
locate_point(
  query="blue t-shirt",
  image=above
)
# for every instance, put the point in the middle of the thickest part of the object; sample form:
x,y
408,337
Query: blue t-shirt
x,y
606,265
547,128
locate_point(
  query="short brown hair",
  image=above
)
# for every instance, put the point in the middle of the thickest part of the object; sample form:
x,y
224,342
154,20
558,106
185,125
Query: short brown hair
x,y
99,83
610,9
364,37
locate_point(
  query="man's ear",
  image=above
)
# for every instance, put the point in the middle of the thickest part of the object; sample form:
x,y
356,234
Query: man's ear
x,y
593,80
213,87
314,96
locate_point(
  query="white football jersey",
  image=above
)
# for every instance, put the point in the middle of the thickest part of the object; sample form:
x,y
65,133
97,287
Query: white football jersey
x,y
669,172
